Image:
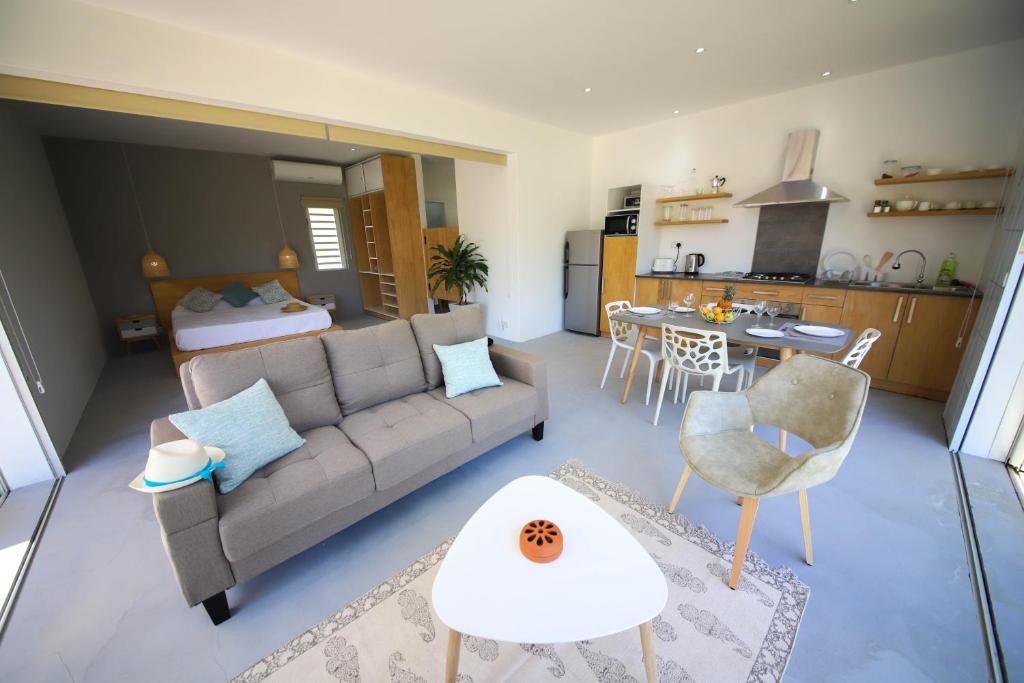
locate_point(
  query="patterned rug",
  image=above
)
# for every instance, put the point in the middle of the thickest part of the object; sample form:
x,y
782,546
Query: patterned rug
x,y
707,632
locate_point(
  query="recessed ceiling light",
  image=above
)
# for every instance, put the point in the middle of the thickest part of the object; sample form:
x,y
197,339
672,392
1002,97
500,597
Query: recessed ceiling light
x,y
826,74
699,50
586,90
676,111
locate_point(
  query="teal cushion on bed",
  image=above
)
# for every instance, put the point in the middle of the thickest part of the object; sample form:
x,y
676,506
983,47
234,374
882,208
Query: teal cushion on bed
x,y
466,367
250,427
237,294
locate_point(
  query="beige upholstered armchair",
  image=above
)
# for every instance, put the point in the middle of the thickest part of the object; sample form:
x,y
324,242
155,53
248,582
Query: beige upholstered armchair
x,y
819,400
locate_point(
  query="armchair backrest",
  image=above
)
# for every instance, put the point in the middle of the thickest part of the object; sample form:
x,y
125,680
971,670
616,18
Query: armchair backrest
x,y
819,400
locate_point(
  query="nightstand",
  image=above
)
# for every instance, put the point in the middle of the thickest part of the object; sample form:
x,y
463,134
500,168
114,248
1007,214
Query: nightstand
x,y
324,301
136,328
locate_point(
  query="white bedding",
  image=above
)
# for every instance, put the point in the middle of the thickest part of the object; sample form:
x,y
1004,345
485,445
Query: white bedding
x,y
229,325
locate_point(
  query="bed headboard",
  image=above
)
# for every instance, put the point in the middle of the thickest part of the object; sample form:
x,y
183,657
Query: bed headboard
x,y
167,293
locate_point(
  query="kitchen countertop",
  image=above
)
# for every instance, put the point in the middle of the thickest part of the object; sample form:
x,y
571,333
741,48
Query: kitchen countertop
x,y
720,277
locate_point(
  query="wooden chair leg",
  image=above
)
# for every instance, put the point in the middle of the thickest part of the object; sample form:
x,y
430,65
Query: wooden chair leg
x,y
647,646
747,516
805,518
679,488
451,662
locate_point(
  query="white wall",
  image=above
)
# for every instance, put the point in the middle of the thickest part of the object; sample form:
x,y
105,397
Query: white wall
x,y
439,186
952,111
79,43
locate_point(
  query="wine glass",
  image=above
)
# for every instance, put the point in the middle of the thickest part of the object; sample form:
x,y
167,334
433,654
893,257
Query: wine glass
x,y
773,309
688,301
759,311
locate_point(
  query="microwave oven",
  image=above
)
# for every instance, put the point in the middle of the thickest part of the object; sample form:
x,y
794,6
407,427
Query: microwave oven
x,y
620,223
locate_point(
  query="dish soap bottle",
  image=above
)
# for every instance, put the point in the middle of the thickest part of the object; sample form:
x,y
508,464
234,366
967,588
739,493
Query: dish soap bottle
x,y
947,271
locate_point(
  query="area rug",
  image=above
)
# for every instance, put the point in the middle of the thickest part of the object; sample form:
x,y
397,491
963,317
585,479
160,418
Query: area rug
x,y
707,632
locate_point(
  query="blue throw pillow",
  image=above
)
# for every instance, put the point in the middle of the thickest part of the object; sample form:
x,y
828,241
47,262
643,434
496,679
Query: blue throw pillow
x,y
466,367
237,294
250,427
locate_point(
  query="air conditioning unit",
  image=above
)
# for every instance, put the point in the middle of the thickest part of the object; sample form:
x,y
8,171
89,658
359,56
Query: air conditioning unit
x,y
297,172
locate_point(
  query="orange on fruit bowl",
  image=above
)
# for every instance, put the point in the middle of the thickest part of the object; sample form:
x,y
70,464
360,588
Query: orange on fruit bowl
x,y
718,315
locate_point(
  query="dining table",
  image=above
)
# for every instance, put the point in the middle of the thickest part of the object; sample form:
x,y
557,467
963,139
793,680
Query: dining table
x,y
737,332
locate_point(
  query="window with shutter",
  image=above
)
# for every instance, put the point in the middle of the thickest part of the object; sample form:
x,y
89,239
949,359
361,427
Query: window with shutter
x,y
325,234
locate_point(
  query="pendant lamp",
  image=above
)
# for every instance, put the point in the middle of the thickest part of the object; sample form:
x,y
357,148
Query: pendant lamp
x,y
287,259
153,264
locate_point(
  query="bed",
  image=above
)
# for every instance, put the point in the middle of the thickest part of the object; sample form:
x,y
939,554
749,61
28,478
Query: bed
x,y
227,328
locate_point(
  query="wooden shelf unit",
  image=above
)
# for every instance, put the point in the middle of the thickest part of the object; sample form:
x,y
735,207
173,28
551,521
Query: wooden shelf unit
x,y
693,197
388,242
709,221
936,212
966,175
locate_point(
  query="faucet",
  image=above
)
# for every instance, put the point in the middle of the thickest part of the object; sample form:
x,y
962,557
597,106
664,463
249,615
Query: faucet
x,y
920,274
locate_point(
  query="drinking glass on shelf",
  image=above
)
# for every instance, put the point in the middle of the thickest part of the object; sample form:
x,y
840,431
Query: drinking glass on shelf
x,y
759,311
772,310
688,301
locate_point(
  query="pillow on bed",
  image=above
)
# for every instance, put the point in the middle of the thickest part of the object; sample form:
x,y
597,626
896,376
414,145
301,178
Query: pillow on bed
x,y
272,292
237,294
200,300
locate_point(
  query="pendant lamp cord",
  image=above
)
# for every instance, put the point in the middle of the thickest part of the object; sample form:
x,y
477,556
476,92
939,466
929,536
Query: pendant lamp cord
x,y
277,203
135,197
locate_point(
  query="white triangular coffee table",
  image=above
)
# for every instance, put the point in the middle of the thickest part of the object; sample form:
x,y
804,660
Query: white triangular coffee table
x,y
604,582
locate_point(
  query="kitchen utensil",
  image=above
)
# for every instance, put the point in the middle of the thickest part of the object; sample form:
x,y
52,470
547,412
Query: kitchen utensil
x,y
884,261
663,265
889,168
924,206
765,332
910,170
905,204
934,171
692,263
951,206
818,331
717,182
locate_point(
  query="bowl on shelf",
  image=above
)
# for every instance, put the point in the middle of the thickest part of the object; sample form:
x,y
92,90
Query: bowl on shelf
x,y
933,171
906,204
911,170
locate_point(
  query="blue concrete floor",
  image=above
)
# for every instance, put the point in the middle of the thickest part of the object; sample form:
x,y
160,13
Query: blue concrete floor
x,y
890,598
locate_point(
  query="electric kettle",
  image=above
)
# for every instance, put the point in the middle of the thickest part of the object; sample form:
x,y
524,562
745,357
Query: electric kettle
x,y
692,263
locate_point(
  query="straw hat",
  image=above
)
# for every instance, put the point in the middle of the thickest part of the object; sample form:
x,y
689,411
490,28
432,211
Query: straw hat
x,y
175,464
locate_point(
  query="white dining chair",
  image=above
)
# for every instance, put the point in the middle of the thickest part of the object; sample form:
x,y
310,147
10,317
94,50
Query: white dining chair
x,y
688,351
624,337
861,347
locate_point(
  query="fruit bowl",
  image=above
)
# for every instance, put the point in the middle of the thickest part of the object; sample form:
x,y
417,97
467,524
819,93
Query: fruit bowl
x,y
719,316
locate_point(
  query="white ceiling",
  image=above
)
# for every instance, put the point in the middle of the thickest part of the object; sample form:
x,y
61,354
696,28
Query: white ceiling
x,y
535,57
89,124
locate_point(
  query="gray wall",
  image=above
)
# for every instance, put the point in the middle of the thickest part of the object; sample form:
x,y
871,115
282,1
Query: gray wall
x,y
439,186
46,281
208,213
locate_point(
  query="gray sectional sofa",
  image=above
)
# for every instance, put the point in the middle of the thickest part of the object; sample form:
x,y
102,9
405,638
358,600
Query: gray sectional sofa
x,y
371,405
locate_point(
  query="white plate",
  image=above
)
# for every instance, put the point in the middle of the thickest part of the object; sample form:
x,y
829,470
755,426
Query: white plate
x,y
645,310
683,309
817,331
765,332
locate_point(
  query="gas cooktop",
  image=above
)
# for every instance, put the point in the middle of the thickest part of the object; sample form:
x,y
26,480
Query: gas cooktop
x,y
778,277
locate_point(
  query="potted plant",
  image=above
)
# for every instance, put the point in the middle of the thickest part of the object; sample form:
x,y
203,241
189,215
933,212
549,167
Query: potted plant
x,y
458,268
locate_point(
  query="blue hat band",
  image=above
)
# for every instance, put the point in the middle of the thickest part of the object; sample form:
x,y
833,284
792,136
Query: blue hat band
x,y
205,473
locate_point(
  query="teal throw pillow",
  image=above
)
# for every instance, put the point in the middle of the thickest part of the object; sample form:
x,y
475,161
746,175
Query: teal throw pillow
x,y
250,427
237,294
466,367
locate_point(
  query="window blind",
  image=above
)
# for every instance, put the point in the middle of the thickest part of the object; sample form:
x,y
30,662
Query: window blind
x,y
328,250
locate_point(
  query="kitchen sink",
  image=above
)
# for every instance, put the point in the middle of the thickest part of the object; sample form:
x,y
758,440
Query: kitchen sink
x,y
955,289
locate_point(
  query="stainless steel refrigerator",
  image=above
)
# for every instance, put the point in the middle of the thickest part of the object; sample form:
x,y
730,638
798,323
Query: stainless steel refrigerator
x,y
581,281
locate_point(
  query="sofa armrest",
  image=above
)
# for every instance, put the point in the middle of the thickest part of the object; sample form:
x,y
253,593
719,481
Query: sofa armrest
x,y
189,526
526,368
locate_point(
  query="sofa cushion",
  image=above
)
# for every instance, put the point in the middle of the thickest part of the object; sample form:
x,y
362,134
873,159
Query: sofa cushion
x,y
461,325
296,371
407,435
492,409
373,365
323,476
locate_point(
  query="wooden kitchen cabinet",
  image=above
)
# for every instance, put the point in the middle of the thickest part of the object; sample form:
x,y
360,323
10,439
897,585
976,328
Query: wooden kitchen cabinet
x,y
680,288
883,311
618,273
650,291
926,353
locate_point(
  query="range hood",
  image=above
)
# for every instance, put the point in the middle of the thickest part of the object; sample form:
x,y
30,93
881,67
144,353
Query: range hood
x,y
797,186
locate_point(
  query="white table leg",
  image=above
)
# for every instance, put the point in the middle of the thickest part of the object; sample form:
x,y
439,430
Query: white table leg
x,y
451,662
647,645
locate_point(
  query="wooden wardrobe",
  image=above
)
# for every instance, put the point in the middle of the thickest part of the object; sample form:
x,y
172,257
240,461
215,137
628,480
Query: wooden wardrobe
x,y
387,236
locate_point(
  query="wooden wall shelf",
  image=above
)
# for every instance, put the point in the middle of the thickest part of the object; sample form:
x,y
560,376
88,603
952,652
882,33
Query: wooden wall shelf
x,y
707,222
693,197
939,212
969,175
